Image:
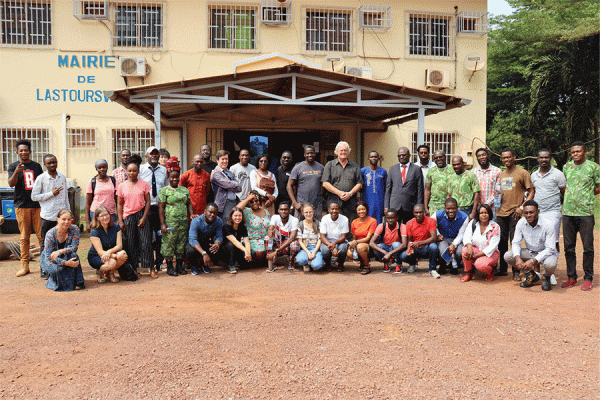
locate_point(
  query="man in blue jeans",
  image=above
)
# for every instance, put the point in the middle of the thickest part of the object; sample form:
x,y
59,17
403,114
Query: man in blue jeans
x,y
422,238
393,241
205,239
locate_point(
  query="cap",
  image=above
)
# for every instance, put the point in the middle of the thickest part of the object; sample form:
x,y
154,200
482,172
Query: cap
x,y
151,149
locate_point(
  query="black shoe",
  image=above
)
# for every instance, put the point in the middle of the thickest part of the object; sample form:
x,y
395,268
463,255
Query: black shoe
x,y
157,267
530,279
546,285
44,274
179,268
442,270
454,271
500,273
171,271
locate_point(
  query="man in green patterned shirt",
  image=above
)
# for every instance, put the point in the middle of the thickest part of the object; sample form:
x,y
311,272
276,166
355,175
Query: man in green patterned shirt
x,y
583,182
464,186
436,184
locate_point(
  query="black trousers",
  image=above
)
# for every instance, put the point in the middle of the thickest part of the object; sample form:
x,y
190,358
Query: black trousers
x,y
404,216
154,220
137,241
46,226
196,259
572,225
233,255
507,231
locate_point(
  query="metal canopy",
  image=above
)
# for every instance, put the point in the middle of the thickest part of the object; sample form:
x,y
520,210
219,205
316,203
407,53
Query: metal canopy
x,y
300,90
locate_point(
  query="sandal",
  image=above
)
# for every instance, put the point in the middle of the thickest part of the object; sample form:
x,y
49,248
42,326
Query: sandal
x,y
490,277
101,277
272,269
112,278
365,271
466,278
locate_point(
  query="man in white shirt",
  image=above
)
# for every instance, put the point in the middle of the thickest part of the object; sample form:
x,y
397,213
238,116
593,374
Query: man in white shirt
x,y
50,190
156,176
282,232
334,228
424,162
540,247
241,172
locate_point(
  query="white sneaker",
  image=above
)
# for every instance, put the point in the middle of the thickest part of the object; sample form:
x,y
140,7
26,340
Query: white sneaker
x,y
435,274
553,280
306,268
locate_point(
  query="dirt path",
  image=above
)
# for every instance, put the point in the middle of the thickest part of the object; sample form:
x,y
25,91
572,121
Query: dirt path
x,y
291,335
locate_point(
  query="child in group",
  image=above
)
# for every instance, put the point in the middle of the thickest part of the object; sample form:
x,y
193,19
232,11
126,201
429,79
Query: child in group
x,y
175,210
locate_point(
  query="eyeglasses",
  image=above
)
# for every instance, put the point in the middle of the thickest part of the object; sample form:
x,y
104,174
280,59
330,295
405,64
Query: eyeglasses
x,y
263,161
286,158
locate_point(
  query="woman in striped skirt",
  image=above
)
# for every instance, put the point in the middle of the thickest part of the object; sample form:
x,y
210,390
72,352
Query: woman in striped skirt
x,y
133,205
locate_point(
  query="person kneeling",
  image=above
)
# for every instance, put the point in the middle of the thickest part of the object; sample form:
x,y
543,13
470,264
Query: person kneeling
x,y
106,254
205,239
393,241
282,234
59,259
540,246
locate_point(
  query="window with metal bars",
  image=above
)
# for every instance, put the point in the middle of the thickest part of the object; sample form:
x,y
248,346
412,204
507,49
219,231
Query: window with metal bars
x,y
445,141
233,27
81,138
138,26
430,35
9,136
214,138
329,30
136,140
26,23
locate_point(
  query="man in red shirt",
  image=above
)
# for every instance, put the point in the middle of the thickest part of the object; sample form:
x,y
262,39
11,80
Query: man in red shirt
x,y
422,241
197,181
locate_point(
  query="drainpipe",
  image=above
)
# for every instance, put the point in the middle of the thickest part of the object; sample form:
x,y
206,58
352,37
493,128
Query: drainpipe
x,y
64,146
184,156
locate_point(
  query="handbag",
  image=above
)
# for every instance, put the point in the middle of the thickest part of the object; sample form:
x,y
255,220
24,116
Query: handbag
x,y
266,184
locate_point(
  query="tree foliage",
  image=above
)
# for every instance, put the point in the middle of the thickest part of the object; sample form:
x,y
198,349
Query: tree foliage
x,y
543,76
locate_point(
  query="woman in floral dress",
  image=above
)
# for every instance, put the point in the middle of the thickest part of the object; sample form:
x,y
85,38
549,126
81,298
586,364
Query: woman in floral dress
x,y
258,220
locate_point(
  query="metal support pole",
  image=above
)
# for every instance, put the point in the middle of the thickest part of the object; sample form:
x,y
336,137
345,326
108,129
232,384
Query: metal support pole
x,y
157,122
184,156
421,127
64,147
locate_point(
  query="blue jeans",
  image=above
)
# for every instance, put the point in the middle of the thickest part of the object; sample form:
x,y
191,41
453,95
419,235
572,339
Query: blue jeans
x,y
316,263
388,248
342,249
430,251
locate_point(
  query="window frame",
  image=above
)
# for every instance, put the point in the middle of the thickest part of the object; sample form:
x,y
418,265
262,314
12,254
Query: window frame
x,y
324,38
41,143
21,25
220,31
137,141
447,141
131,33
433,39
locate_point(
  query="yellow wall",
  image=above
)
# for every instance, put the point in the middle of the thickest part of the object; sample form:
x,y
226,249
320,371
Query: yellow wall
x,y
185,55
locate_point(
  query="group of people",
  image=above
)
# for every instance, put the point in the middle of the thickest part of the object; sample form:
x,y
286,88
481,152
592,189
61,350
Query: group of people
x,y
145,213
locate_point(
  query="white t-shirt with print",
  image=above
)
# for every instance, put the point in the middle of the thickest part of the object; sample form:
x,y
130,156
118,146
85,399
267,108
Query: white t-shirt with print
x,y
333,230
284,230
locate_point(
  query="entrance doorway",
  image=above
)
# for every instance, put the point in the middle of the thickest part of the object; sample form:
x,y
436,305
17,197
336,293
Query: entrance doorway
x,y
274,143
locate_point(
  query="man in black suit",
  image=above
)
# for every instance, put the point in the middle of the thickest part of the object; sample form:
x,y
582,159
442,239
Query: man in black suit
x,y
404,186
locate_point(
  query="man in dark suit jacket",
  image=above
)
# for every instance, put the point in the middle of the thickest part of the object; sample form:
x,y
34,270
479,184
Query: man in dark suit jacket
x,y
403,193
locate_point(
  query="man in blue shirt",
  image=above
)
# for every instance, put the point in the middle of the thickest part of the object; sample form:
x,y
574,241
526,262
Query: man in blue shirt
x,y
205,239
451,224
374,178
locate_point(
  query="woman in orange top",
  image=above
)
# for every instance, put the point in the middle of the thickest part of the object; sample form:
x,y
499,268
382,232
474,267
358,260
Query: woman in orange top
x,y
362,229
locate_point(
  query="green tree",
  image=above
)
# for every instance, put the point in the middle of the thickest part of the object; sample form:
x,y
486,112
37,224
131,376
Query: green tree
x,y
543,76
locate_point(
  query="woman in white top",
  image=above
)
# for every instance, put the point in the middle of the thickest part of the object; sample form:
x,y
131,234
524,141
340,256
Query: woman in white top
x,y
264,182
310,241
481,244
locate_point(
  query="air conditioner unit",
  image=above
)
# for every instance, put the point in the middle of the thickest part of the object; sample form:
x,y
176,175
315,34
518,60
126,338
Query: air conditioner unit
x,y
437,78
133,66
90,10
363,72
276,12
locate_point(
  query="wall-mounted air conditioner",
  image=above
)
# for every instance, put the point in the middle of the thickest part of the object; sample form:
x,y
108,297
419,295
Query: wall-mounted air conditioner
x,y
360,71
276,12
437,78
133,66
90,10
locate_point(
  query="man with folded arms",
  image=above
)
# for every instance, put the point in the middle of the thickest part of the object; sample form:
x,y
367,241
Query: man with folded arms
x,y
540,246
451,225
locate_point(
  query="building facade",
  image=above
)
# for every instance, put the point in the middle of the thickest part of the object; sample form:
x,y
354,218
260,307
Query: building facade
x,y
61,59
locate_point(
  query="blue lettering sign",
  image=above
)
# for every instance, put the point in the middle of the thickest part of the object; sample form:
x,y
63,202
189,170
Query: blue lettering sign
x,y
63,61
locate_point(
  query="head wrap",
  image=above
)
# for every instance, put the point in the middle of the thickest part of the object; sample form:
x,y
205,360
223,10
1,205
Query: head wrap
x,y
100,162
173,165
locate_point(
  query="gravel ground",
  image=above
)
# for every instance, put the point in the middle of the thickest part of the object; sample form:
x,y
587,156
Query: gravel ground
x,y
290,335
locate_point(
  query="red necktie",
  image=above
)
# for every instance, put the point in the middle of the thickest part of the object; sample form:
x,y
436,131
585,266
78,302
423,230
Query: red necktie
x,y
403,173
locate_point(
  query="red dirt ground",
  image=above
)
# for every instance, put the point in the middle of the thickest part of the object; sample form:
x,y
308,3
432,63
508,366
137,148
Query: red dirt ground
x,y
290,335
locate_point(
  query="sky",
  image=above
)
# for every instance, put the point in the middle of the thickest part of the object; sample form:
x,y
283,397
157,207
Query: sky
x,y
499,7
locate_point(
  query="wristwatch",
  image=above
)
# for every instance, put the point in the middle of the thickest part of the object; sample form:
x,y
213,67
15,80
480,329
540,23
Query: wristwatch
x,y
203,252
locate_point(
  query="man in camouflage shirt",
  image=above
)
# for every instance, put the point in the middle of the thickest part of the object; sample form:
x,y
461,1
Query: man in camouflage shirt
x,y
583,182
463,185
436,184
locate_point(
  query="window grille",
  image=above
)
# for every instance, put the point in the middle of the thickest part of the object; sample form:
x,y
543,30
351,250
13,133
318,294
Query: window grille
x,y
139,26
473,22
136,140
429,36
9,136
445,141
81,138
26,24
233,27
93,10
329,30
214,138
375,17
274,12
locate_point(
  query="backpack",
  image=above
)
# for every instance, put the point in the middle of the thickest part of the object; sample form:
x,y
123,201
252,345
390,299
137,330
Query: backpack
x,y
113,180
